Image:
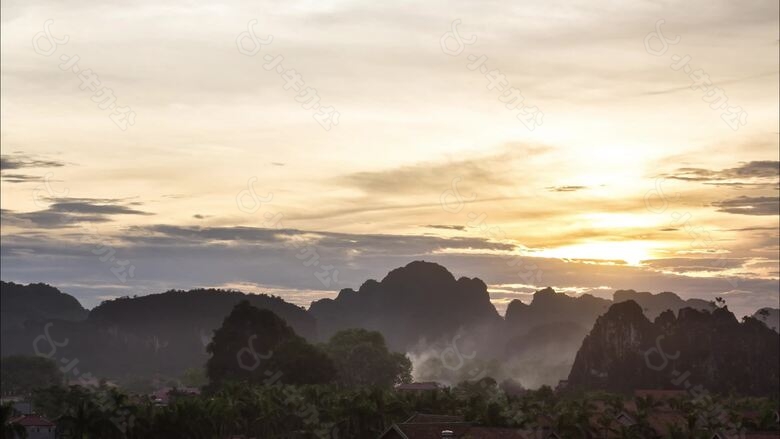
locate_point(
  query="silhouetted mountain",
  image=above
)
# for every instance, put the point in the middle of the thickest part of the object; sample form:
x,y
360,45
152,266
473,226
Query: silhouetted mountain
x,y
547,307
159,333
770,317
419,301
655,304
711,349
420,308
36,302
546,334
191,311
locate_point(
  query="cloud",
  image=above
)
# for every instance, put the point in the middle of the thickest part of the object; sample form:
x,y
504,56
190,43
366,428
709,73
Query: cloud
x,y
97,206
170,256
565,188
67,212
445,227
21,178
765,169
419,178
744,205
20,160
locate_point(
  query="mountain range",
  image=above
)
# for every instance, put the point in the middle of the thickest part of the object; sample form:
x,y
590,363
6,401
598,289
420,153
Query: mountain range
x,y
421,309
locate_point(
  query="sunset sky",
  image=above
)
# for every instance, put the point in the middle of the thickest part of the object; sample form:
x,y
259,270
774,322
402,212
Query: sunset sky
x,y
573,203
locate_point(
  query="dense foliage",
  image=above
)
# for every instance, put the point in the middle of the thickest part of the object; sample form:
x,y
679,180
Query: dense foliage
x,y
329,411
20,375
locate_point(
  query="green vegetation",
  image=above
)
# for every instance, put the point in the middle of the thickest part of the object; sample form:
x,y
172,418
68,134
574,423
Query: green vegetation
x,y
308,411
20,375
265,381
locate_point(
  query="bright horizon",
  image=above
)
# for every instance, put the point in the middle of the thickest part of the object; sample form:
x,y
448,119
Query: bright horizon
x,y
630,180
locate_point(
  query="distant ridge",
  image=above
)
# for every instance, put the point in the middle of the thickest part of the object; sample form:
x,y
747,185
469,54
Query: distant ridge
x,y
419,300
21,303
626,351
420,308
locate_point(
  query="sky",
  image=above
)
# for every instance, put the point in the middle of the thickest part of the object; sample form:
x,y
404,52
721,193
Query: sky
x,y
297,148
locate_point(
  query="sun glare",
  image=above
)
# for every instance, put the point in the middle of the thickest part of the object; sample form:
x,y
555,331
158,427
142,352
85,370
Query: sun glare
x,y
631,252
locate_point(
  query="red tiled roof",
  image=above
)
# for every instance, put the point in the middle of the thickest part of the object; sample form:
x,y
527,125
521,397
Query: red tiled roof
x,y
32,421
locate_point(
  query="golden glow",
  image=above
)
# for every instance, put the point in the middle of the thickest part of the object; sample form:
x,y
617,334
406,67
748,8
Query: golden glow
x,y
631,252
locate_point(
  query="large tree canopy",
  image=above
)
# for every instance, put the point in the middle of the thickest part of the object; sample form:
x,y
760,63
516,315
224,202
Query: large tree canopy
x,y
20,375
255,344
362,359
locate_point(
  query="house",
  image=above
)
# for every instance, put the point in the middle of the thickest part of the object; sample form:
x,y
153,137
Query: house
x,y
664,421
20,404
37,426
608,422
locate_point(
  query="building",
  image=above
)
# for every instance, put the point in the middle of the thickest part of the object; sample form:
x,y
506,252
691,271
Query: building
x,y
37,426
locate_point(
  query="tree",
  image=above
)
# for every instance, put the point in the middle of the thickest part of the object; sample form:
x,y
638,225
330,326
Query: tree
x,y
362,359
10,429
194,377
254,344
302,363
20,375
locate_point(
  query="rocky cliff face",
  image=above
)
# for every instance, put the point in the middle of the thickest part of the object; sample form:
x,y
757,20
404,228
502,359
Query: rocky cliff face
x,y
419,301
625,351
544,336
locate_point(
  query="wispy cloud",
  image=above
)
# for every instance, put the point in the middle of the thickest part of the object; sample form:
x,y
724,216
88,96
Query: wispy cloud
x,y
565,188
745,205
